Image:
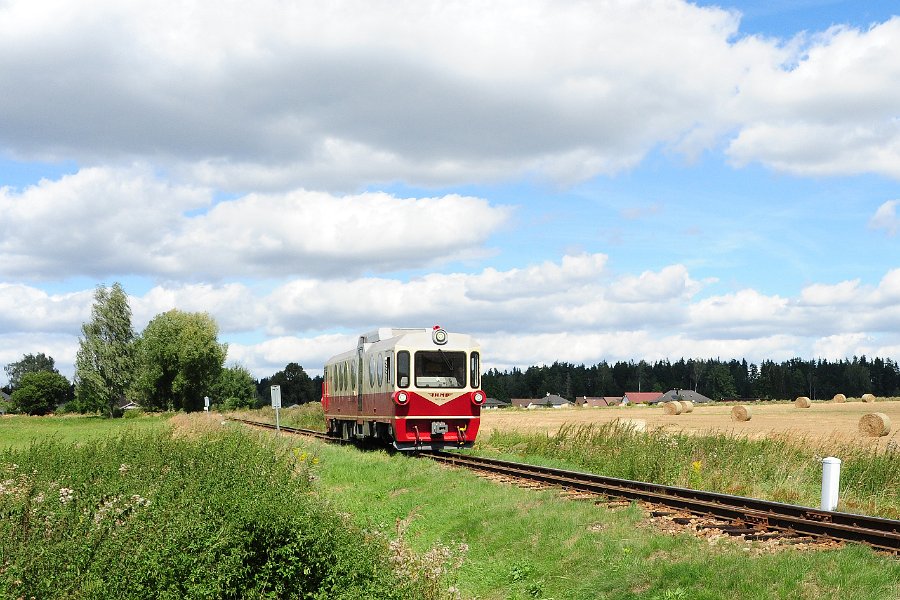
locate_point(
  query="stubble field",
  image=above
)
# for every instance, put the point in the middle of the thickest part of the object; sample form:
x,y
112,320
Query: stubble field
x,y
823,421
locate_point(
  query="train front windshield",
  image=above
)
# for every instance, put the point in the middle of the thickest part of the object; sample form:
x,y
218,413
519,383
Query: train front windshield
x,y
440,369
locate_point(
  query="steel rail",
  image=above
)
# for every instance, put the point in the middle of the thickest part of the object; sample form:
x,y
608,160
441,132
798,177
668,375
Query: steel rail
x,y
295,430
750,513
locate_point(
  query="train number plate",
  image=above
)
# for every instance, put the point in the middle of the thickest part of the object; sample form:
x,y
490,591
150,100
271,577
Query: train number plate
x,y
438,427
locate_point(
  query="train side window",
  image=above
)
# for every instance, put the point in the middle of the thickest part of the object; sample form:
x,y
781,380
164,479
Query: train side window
x,y
403,369
353,376
372,370
388,372
474,370
380,369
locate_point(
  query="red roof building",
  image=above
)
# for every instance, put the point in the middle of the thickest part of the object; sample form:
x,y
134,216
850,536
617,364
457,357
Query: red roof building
x,y
640,397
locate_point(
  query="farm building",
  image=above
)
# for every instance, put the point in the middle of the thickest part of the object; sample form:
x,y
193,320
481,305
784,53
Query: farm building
x,y
689,395
492,403
598,401
640,397
548,401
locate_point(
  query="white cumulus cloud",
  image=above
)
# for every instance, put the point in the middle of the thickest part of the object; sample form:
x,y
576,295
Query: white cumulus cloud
x,y
103,221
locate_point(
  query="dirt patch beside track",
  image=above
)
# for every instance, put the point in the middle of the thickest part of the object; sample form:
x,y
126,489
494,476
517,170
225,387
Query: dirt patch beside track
x,y
823,421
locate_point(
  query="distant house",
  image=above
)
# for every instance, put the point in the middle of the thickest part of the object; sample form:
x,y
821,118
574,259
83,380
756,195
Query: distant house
x,y
126,404
492,403
548,401
689,395
640,397
598,401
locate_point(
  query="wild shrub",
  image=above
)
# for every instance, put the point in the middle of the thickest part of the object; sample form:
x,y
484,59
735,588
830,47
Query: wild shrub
x,y
150,515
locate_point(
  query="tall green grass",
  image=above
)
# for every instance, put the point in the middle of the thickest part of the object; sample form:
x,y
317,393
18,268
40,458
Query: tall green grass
x,y
783,469
147,515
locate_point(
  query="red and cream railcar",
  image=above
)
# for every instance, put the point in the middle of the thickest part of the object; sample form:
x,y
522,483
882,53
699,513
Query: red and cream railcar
x,y
418,389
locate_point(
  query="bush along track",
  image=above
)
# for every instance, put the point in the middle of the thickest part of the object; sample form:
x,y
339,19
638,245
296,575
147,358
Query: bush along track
x,y
147,515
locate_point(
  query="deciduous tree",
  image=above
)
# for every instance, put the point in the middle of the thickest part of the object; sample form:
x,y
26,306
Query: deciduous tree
x,y
235,388
296,385
40,392
30,363
179,360
104,365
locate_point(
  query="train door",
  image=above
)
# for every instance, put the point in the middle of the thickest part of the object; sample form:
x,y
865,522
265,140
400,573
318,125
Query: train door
x,y
360,347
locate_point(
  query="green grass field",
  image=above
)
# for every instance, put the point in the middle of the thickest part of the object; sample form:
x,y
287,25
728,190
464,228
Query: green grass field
x,y
412,528
521,543
21,431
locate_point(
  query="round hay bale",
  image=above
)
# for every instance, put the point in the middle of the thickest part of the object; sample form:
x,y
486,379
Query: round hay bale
x,y
740,413
687,406
874,424
802,402
673,408
868,397
839,398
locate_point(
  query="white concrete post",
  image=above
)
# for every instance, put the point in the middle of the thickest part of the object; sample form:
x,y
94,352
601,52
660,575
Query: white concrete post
x,y
831,479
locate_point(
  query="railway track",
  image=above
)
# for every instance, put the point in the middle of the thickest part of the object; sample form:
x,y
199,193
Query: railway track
x,y
320,435
744,516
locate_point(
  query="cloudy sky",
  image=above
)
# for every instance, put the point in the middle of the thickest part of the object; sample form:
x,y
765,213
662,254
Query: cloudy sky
x,y
573,180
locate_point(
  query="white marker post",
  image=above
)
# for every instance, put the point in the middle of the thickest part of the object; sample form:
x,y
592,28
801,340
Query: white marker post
x,y
831,479
276,404
206,403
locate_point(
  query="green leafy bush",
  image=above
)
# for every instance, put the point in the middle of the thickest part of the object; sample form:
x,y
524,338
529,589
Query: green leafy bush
x,y
148,515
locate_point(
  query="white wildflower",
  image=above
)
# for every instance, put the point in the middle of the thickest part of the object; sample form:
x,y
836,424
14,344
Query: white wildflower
x,y
66,495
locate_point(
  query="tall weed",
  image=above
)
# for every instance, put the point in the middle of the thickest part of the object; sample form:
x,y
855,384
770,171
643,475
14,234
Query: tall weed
x,y
783,468
151,515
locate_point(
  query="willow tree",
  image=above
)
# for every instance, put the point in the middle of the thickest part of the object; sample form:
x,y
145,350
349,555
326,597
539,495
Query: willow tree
x,y
104,365
179,360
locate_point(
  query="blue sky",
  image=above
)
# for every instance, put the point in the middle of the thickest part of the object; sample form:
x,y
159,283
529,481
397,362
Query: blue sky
x,y
567,181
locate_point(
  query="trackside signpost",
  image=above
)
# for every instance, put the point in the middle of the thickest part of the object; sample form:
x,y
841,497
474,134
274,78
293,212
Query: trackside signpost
x,y
276,404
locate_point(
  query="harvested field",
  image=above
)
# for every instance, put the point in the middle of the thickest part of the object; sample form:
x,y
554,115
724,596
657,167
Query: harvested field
x,y
839,421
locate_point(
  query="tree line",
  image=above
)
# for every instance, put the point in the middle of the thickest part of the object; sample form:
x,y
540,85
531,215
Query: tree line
x,y
174,364
714,378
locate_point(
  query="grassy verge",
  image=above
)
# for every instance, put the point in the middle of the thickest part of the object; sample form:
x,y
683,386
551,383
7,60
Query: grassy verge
x,y
20,431
517,544
775,468
152,515
782,469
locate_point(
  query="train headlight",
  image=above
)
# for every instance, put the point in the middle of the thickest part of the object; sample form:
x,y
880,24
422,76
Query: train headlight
x,y
478,398
439,335
401,398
